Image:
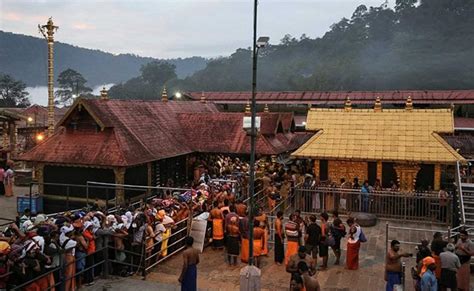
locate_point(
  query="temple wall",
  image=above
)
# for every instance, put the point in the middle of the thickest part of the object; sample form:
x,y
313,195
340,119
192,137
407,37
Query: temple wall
x,y
348,170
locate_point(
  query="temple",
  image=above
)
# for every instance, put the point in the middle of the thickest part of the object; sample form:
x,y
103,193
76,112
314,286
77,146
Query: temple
x,y
393,145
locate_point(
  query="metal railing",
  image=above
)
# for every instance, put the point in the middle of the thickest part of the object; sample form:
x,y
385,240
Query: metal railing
x,y
460,194
385,204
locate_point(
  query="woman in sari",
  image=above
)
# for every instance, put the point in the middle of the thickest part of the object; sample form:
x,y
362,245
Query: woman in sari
x,y
353,245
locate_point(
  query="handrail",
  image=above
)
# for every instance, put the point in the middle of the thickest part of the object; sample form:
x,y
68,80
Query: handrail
x,y
461,199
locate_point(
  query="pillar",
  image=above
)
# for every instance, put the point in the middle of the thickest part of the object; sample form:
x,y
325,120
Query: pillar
x,y
149,176
437,177
39,174
5,136
12,137
119,179
316,169
406,174
379,172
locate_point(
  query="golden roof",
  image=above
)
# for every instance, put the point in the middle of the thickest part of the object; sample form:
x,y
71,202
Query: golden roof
x,y
392,134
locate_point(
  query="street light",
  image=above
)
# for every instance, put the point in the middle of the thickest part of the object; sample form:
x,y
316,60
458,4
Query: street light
x,y
257,44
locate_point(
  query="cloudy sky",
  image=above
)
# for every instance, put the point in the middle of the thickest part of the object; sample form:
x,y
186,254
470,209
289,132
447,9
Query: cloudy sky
x,y
173,28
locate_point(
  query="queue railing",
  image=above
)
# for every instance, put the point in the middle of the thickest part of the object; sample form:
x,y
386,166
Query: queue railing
x,y
423,207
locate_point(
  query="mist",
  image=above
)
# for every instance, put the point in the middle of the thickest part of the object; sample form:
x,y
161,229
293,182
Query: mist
x,y
39,95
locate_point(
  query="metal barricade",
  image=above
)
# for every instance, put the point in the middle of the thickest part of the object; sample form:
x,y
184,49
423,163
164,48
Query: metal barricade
x,y
425,207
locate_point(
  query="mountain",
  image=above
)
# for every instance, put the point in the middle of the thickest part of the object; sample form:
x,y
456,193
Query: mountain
x,y
418,44
24,58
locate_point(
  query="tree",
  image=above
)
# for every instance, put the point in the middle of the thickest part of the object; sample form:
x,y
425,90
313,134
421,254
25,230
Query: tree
x,y
72,85
12,92
157,73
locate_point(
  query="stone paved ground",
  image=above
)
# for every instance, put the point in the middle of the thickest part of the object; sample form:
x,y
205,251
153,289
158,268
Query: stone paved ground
x,y
8,204
215,274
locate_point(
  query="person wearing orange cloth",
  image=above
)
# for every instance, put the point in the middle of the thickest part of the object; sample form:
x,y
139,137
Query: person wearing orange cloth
x,y
292,233
232,242
244,232
258,241
353,245
279,238
263,221
428,280
464,250
217,219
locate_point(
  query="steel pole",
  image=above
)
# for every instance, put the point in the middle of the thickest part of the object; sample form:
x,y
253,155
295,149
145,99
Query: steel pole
x,y
253,135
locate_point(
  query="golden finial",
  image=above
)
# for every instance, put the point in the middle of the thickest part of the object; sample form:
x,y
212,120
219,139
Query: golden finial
x,y
203,98
409,104
164,95
266,109
103,94
348,104
247,107
378,105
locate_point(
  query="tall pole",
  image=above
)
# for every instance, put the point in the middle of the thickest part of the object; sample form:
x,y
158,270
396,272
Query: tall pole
x,y
253,134
48,31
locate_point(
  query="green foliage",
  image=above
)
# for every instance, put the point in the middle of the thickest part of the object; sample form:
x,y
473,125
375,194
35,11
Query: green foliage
x,y
25,57
71,85
149,84
424,45
12,92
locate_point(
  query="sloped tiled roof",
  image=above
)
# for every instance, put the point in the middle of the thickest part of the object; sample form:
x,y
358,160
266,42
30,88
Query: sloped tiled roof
x,y
136,132
223,133
464,122
133,132
338,97
393,134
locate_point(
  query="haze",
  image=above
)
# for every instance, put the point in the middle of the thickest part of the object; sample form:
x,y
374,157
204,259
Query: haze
x,y
170,29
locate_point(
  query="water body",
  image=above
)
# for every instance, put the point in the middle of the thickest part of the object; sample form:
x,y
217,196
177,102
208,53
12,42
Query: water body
x,y
39,95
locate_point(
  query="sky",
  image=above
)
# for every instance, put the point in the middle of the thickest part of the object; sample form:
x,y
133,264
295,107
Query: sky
x,y
174,28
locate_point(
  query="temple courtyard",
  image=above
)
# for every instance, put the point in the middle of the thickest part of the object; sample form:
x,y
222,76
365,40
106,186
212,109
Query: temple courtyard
x,y
215,274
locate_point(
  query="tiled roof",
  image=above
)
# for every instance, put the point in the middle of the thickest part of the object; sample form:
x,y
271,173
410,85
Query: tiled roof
x,y
338,97
393,134
223,133
463,143
133,132
136,131
463,122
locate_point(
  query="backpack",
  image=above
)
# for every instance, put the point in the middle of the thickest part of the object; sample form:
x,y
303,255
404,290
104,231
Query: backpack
x,y
362,237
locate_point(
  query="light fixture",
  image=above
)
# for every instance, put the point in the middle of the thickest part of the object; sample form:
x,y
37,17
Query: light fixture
x,y
178,95
30,119
262,41
39,137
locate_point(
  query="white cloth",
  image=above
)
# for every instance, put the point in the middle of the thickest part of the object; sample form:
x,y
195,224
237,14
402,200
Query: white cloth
x,y
71,244
40,242
159,229
355,236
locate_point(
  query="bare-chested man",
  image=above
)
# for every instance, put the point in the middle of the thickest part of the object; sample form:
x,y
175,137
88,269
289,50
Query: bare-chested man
x,y
294,260
310,283
188,277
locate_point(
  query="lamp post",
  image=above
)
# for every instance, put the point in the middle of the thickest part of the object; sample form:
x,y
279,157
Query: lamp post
x,y
257,44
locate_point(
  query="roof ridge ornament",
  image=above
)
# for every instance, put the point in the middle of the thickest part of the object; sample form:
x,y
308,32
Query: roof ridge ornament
x,y
409,104
266,109
164,95
104,94
247,107
203,98
348,104
378,105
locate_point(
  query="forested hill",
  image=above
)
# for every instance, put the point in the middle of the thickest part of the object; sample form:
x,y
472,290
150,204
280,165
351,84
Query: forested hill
x,y
426,44
24,58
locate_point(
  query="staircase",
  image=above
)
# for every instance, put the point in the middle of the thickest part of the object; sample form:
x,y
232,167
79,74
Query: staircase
x,y
467,190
